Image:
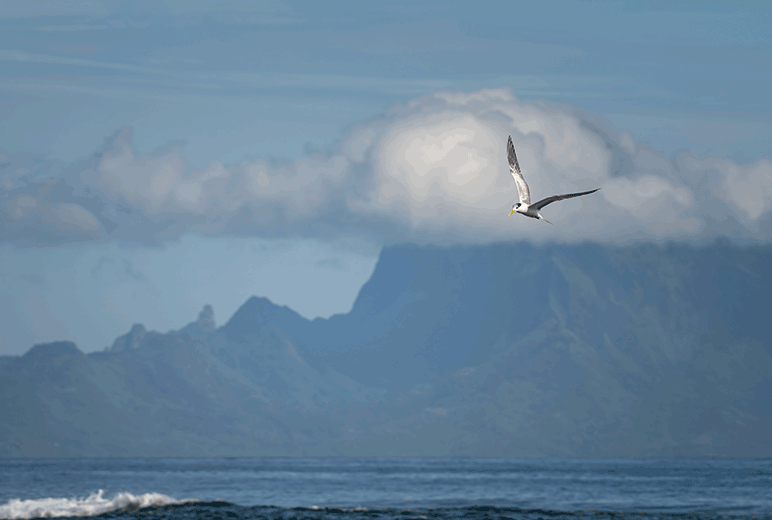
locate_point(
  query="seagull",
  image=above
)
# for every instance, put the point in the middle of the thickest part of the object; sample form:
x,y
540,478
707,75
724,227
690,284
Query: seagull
x,y
524,206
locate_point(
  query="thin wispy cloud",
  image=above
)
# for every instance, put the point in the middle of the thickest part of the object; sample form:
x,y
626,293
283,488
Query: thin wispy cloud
x,y
29,57
124,269
237,11
72,28
54,8
35,279
192,79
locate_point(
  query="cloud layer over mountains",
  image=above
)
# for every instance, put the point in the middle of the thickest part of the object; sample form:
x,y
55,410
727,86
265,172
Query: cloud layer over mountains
x,y
433,169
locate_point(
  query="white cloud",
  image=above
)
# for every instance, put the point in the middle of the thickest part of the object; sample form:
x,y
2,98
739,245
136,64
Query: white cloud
x,y
29,220
164,184
431,169
747,187
75,218
654,201
21,206
442,171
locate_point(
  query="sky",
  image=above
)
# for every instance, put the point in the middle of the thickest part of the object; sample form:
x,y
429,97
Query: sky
x,y
157,157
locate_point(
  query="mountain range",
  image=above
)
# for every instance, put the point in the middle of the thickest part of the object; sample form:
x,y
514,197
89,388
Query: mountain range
x,y
509,350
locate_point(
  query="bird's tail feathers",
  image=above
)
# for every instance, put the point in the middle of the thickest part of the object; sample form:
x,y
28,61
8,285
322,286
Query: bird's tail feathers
x,y
545,220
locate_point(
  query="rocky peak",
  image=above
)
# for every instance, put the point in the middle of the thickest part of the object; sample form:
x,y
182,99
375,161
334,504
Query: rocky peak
x,y
206,319
259,312
132,340
54,349
203,326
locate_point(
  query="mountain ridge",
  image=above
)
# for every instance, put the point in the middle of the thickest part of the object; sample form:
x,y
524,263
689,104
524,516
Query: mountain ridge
x,y
502,350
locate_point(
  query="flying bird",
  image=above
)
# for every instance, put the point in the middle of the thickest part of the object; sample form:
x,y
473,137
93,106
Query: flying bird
x,y
524,206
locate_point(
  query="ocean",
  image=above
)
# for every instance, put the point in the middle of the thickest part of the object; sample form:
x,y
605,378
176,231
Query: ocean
x,y
384,488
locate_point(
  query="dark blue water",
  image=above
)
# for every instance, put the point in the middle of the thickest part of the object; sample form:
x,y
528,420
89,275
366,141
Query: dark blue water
x,y
349,488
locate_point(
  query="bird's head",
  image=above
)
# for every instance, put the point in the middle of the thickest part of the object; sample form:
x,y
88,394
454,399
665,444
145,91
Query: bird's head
x,y
515,206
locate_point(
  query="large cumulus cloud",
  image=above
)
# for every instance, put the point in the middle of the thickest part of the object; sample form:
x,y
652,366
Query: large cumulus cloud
x,y
431,169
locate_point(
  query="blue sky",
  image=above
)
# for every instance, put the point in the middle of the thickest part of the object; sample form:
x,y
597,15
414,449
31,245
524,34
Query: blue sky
x,y
160,156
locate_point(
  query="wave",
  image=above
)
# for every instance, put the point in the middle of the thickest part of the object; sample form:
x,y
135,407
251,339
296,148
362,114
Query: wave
x,y
94,504
125,506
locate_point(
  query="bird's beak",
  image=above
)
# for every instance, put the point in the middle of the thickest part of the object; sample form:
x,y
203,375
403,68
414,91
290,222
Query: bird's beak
x,y
510,213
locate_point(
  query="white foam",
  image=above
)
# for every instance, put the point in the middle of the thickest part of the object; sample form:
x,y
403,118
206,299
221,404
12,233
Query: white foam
x,y
94,504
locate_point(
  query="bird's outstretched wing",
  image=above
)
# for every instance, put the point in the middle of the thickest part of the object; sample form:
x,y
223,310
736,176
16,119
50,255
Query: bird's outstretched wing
x,y
549,200
514,167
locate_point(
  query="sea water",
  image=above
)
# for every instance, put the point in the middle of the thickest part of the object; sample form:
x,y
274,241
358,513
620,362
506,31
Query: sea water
x,y
389,488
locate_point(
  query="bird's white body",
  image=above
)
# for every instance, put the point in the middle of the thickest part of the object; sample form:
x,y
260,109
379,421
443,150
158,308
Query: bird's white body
x,y
528,211
524,207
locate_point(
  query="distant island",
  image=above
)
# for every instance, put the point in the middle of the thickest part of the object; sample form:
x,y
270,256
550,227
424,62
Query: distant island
x,y
505,350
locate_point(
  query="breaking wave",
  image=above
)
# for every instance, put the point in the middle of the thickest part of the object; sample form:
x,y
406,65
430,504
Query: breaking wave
x,y
94,504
